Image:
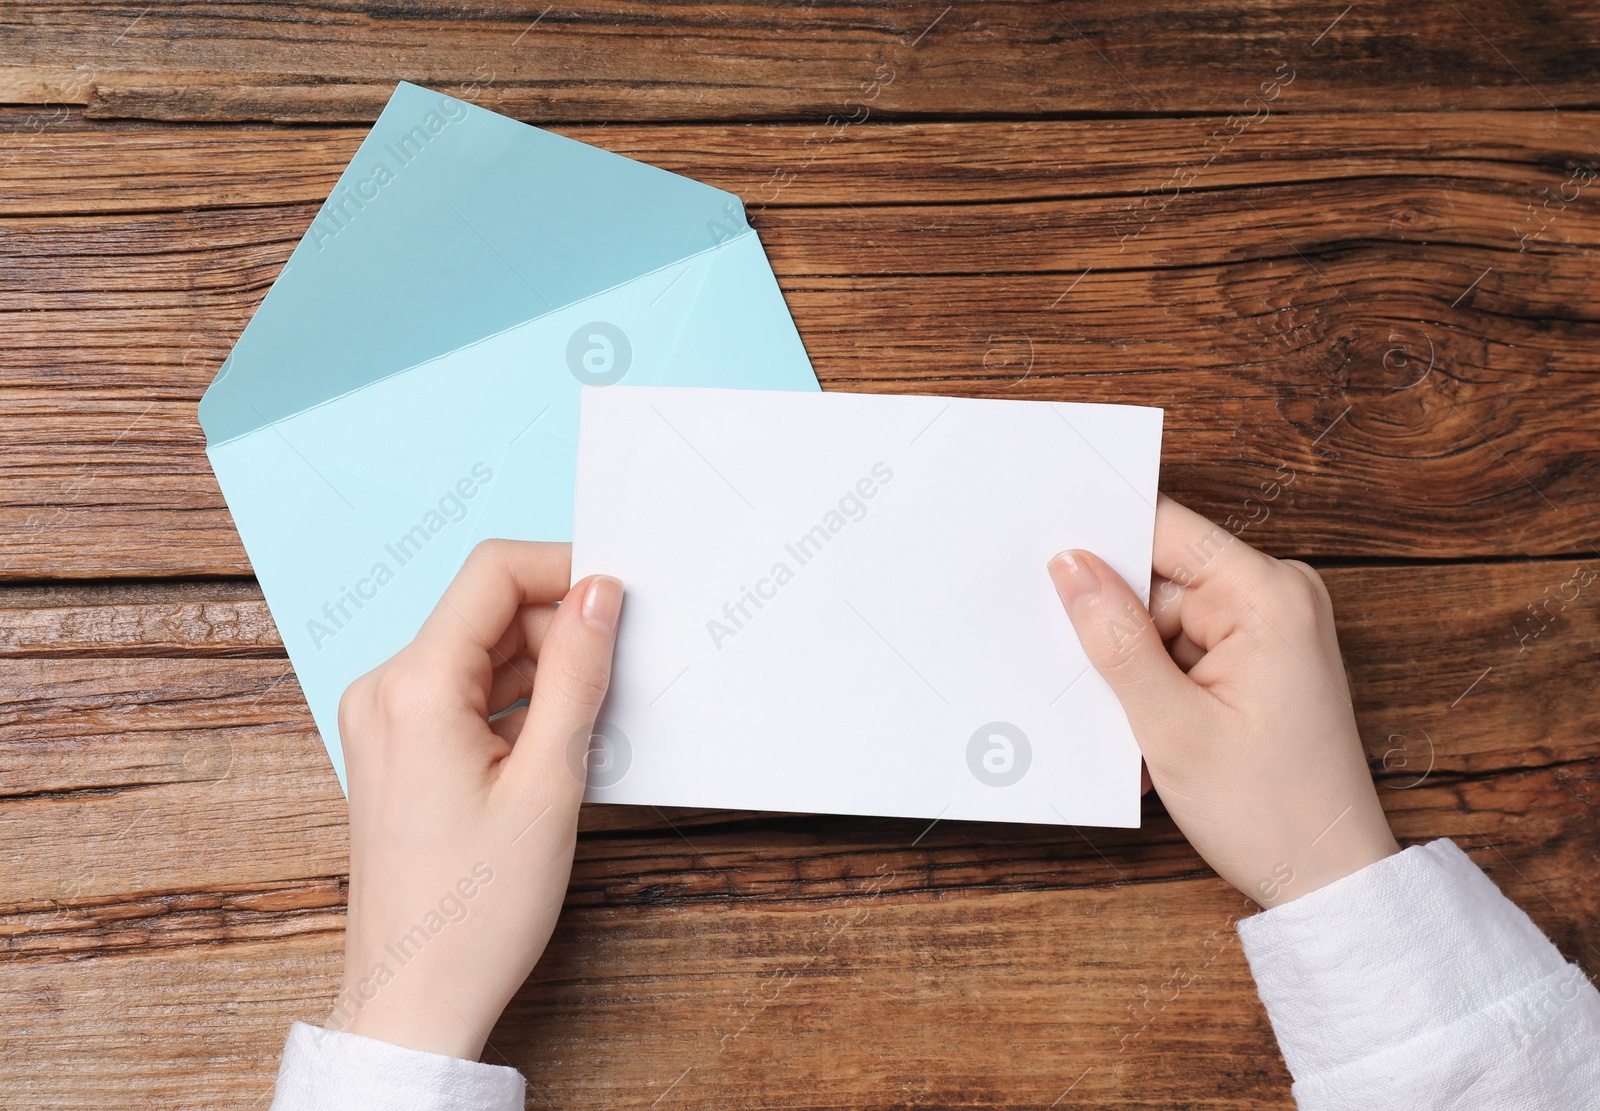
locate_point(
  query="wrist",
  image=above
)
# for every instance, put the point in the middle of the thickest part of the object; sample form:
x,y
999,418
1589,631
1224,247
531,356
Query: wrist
x,y
405,1019
1342,854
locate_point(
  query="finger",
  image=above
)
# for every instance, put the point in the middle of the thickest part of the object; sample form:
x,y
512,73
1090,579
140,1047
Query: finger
x,y
1122,643
512,682
498,578
1315,578
509,726
1166,606
1192,551
1185,652
574,670
524,635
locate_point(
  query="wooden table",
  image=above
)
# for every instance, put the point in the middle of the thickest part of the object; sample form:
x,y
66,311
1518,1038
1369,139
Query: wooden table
x,y
1351,253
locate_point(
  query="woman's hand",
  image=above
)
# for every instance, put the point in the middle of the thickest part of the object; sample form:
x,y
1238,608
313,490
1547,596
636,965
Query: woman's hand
x,y
1238,699
462,829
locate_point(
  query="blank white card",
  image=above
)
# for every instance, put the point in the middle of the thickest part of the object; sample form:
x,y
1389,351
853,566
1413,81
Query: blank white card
x,y
838,603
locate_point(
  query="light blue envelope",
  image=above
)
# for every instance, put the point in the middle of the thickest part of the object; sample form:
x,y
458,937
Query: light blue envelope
x,y
409,386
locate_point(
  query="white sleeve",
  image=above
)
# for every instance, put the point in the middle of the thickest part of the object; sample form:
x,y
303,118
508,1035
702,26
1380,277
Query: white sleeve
x,y
328,1070
1416,984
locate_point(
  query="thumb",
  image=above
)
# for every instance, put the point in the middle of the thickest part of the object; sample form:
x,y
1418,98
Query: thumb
x,y
570,678
1121,642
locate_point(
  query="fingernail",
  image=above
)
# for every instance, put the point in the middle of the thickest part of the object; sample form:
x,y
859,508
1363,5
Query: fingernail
x,y
1075,580
602,604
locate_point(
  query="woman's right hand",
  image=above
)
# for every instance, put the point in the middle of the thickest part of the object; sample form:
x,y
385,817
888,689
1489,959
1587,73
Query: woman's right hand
x,y
1238,699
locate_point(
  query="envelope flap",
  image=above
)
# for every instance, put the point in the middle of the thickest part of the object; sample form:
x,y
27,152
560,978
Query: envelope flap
x,y
450,224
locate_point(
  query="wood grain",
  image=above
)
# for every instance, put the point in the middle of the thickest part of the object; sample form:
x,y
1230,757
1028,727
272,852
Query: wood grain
x,y
998,999
184,620
1366,303
174,837
1296,310
152,768
329,61
145,168
882,993
642,857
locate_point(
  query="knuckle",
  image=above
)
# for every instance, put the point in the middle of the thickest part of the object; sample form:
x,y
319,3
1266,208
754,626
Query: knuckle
x,y
1310,592
353,705
1294,600
404,687
359,716
359,696
1310,574
488,552
392,683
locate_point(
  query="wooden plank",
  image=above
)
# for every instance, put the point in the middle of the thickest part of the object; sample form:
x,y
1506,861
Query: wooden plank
x,y
1259,328
137,619
146,168
980,971
1488,454
1186,306
154,770
629,60
1001,999
883,994
175,858
1468,668
199,1027
219,255
1533,622
108,900
122,776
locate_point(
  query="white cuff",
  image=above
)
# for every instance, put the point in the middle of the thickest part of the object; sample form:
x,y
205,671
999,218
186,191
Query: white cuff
x,y
329,1070
1415,978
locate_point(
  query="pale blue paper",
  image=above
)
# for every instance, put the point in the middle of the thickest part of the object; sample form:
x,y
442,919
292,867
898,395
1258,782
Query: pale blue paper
x,y
407,389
